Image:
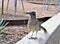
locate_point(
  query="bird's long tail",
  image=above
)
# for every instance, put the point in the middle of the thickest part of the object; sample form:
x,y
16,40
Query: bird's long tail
x,y
44,29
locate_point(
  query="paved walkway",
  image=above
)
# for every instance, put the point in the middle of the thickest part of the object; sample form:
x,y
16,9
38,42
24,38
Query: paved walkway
x,y
29,7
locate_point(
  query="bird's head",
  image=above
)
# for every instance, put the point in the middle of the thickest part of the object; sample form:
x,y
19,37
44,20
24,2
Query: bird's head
x,y
33,13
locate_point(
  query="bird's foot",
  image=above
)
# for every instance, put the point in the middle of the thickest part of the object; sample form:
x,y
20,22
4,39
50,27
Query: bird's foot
x,y
33,38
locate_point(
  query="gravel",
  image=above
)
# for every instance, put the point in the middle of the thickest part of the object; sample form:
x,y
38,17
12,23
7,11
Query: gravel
x,y
16,33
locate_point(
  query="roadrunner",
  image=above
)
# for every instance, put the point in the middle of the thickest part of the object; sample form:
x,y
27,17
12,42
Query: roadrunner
x,y
34,24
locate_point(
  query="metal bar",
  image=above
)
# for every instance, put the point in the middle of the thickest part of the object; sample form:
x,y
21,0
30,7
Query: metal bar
x,y
7,5
2,7
23,6
15,6
46,2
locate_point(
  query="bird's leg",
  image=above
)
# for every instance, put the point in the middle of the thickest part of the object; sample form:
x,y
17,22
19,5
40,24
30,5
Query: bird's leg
x,y
32,36
36,35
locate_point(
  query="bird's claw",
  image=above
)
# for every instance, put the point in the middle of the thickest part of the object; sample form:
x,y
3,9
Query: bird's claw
x,y
33,38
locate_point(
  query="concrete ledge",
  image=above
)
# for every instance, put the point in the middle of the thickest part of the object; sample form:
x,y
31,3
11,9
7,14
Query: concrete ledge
x,y
54,37
50,25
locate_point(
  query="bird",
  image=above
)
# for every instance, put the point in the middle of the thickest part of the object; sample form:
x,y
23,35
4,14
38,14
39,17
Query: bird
x,y
34,25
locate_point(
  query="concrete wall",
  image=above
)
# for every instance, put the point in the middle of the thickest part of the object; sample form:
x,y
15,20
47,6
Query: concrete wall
x,y
55,37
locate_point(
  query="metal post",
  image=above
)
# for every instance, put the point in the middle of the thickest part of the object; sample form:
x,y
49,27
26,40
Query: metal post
x,y
7,5
23,6
2,7
46,2
15,6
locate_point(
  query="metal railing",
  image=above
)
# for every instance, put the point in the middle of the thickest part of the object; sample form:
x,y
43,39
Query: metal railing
x,y
57,4
15,6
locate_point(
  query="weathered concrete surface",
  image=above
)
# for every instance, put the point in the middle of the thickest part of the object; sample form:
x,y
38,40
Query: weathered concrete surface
x,y
55,37
50,25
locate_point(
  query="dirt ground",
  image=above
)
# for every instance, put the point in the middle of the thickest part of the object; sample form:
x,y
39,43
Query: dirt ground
x,y
16,34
